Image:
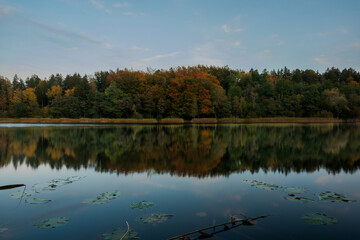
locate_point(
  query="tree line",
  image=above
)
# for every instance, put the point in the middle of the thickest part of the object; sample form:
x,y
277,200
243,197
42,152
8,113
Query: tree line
x,y
185,92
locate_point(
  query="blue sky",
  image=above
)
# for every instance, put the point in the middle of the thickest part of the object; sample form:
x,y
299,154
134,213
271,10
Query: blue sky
x,y
67,36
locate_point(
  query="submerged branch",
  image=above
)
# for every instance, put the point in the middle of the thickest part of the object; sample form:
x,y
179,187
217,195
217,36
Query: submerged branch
x,y
233,221
128,229
6,187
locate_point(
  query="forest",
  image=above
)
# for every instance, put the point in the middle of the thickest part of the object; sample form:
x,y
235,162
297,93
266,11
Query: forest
x,y
185,92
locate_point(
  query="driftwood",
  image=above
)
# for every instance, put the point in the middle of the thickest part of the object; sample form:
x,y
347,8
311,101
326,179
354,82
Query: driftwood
x,y
128,229
6,187
234,222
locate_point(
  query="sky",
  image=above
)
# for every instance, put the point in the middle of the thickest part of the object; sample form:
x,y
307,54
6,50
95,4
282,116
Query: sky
x,y
46,37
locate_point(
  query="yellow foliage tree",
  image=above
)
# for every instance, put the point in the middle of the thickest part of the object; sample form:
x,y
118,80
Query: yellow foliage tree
x,y
54,92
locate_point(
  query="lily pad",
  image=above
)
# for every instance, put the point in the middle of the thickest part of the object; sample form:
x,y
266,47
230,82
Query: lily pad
x,y
55,183
65,181
334,197
37,201
103,198
155,218
39,187
142,205
3,230
319,219
262,185
293,197
52,222
295,190
119,233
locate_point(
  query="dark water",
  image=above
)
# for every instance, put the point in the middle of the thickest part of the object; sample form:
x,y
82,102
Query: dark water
x,y
195,173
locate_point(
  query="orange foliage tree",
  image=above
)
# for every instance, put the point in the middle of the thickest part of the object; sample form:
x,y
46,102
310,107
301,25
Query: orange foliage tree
x,y
189,87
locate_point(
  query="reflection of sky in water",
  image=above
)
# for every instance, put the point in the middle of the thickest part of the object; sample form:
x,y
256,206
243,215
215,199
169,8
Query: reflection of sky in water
x,y
195,201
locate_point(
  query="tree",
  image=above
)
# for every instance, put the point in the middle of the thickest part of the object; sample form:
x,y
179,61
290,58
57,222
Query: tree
x,y
194,108
100,80
5,92
41,91
33,81
149,104
236,108
56,80
335,101
54,92
29,98
243,107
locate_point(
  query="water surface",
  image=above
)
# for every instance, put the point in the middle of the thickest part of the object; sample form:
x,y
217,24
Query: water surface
x,y
195,173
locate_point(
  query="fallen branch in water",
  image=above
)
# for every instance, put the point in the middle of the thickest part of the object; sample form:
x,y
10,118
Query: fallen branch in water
x,y
128,229
233,221
6,187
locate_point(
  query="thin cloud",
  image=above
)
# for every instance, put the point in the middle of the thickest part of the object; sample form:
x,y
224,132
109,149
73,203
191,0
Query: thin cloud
x,y
322,34
264,54
281,42
343,30
72,48
227,29
120,5
98,4
107,46
275,36
5,10
207,54
236,44
136,48
335,31
356,45
63,32
133,14
62,25
160,56
322,61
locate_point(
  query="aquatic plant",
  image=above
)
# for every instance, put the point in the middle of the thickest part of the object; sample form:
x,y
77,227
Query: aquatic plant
x,y
52,222
319,219
103,198
142,205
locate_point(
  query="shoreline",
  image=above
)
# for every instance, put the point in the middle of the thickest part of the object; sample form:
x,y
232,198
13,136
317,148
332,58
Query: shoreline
x,y
174,120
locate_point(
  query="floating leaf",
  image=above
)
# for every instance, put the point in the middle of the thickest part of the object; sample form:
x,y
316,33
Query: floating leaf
x,y
22,194
55,183
334,197
52,223
44,187
37,201
3,230
295,190
142,205
65,181
293,197
155,218
103,198
262,185
119,233
319,219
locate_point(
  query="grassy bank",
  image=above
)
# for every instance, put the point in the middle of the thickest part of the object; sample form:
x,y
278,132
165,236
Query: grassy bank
x,y
173,120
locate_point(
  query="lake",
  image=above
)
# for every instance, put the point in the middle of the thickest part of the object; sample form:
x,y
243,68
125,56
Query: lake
x,y
84,181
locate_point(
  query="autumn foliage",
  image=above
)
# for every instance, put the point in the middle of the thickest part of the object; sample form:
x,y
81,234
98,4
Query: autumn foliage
x,y
185,92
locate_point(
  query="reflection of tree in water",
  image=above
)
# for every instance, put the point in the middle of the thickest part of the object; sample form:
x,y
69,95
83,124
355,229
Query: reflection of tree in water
x,y
185,150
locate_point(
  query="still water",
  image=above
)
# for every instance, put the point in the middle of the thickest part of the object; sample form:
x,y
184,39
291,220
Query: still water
x,y
191,177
